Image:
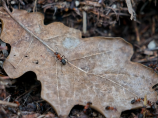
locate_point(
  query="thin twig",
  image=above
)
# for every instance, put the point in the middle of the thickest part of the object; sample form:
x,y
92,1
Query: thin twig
x,y
84,22
8,103
7,98
4,77
34,8
153,58
137,32
41,116
27,91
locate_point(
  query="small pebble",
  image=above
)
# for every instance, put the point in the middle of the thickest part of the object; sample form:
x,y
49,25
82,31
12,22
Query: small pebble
x,y
77,3
152,45
13,2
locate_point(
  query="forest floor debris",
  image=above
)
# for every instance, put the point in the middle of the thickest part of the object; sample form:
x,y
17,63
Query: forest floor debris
x,y
108,18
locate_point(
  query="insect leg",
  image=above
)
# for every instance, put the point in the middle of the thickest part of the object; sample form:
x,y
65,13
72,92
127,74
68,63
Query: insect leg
x,y
63,57
56,59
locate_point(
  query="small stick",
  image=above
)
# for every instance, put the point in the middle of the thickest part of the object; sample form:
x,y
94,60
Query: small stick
x,y
153,26
4,77
8,103
137,32
27,96
40,101
7,98
153,58
84,22
34,8
41,116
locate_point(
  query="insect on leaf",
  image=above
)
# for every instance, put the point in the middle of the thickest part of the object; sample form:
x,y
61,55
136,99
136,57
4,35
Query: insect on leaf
x,y
98,69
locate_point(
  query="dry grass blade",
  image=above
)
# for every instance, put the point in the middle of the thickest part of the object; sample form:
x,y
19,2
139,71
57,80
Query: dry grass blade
x,y
145,101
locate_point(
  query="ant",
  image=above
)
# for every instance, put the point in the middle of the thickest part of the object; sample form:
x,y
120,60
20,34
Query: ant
x,y
152,65
155,87
110,108
136,100
87,109
148,102
17,102
62,59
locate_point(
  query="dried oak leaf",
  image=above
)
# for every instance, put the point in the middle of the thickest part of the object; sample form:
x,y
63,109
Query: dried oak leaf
x,y
98,68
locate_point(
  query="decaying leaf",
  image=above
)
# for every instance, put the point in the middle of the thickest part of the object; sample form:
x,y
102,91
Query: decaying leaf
x,y
98,69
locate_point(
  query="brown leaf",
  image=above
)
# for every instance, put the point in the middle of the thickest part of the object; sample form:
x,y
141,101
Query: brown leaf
x,y
98,70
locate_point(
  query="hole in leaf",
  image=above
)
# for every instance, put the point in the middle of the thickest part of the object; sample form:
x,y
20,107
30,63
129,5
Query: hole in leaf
x,y
137,112
36,62
5,49
128,113
26,90
77,110
9,48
